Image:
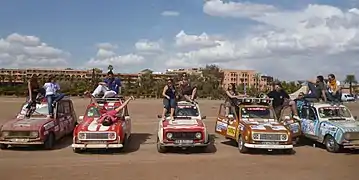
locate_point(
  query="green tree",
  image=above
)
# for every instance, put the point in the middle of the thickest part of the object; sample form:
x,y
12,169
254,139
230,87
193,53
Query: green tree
x,y
351,80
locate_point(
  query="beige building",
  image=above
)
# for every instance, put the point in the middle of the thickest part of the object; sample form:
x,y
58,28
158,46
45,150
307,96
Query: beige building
x,y
195,71
249,78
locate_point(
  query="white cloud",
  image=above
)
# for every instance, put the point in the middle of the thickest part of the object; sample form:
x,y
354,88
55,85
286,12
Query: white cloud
x,y
148,47
118,61
106,46
294,43
170,13
186,41
18,50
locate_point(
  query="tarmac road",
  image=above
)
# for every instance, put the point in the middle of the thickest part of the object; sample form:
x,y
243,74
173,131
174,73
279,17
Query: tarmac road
x,y
143,162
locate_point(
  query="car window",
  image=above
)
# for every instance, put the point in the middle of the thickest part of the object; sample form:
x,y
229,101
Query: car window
x,y
334,112
60,107
257,112
311,114
304,112
41,109
93,112
67,108
186,111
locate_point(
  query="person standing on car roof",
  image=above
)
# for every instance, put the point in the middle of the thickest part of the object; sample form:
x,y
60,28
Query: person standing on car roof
x,y
52,95
169,98
281,99
187,91
33,87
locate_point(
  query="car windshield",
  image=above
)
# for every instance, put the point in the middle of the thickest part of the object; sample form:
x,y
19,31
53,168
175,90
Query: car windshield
x,y
41,109
334,112
186,111
93,112
257,112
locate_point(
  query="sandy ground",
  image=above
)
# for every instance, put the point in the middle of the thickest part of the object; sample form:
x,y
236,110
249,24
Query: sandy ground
x,y
142,162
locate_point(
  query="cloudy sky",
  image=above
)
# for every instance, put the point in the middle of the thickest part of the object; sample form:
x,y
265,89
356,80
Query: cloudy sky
x,y
287,39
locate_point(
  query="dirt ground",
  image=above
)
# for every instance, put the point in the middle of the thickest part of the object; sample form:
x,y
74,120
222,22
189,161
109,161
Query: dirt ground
x,y
143,162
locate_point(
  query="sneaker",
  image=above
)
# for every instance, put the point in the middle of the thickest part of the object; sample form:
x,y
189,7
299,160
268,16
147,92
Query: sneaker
x,y
296,117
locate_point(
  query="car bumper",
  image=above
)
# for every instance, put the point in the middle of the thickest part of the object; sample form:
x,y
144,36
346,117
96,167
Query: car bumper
x,y
267,146
96,146
184,145
14,142
352,145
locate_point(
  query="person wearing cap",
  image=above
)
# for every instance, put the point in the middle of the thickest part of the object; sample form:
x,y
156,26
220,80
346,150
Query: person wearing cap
x,y
169,98
110,87
281,99
187,92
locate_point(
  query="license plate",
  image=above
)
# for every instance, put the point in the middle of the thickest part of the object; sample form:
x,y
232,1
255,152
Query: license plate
x,y
184,141
19,140
270,143
97,142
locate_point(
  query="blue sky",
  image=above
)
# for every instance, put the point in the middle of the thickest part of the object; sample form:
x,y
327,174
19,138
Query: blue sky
x,y
77,26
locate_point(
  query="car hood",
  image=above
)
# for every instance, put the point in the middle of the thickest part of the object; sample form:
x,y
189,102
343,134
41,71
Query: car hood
x,y
33,123
91,124
265,126
183,123
347,126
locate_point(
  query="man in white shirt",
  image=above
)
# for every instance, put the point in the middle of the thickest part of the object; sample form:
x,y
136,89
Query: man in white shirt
x,y
334,89
51,94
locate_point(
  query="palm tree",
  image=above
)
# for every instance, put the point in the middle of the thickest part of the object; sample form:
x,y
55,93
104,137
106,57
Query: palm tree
x,y
350,79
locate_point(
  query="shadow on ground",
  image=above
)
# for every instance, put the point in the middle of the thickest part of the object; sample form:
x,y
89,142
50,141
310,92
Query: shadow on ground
x,y
133,145
210,149
259,151
308,142
60,144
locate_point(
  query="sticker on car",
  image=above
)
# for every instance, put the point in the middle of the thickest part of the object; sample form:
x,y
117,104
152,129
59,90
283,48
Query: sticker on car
x,y
221,126
231,131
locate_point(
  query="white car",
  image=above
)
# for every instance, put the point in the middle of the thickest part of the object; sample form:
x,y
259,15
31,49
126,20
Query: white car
x,y
347,97
187,129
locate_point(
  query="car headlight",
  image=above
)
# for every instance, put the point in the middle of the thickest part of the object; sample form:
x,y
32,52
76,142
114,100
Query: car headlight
x,y
169,135
347,136
198,135
34,134
4,134
111,136
283,137
81,136
255,136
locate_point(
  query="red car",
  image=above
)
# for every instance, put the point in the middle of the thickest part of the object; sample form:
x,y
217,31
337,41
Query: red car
x,y
39,129
89,134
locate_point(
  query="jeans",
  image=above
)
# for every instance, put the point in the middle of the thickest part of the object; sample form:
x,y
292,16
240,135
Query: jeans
x,y
313,93
334,97
52,99
169,103
105,90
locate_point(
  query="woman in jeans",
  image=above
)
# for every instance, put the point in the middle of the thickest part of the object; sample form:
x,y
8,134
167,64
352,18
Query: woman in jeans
x,y
52,96
169,101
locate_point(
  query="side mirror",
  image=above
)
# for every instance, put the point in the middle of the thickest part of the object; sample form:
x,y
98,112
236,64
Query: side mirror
x,y
204,117
159,116
356,117
81,118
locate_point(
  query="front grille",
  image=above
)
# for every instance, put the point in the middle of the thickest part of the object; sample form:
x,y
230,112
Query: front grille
x,y
269,137
19,134
96,136
184,135
275,137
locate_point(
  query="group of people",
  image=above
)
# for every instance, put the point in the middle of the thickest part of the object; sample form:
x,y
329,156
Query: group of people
x,y
50,90
329,91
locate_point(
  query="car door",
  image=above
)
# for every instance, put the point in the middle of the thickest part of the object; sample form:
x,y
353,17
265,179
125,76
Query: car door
x,y
232,122
309,122
221,121
60,118
68,123
127,119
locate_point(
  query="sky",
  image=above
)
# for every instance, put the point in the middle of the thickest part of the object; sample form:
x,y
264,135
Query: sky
x,y
286,39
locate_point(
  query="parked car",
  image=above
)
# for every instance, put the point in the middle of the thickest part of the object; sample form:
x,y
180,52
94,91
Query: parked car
x,y
39,129
252,124
332,125
186,130
89,134
347,97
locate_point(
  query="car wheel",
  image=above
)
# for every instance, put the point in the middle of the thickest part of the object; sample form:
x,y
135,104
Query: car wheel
x,y
288,151
124,144
4,146
160,148
331,145
77,150
50,141
241,147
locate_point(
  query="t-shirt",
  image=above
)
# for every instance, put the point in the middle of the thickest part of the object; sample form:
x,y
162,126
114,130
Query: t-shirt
x,y
278,97
51,88
113,84
332,89
319,87
186,90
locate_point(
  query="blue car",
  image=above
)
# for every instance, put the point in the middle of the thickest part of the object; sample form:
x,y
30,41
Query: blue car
x,y
332,125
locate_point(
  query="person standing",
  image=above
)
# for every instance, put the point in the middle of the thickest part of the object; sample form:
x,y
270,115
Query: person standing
x,y
169,98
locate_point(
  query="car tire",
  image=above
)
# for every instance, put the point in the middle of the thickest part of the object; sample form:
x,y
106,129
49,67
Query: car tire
x,y
331,144
124,143
160,148
288,151
241,147
77,150
50,141
4,146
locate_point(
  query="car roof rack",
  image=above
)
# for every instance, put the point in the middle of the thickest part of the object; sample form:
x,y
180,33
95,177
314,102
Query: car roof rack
x,y
252,101
114,99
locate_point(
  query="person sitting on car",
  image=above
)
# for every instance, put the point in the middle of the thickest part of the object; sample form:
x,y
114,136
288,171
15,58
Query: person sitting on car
x,y
281,99
187,92
317,89
334,89
110,87
169,98
51,94
231,97
109,117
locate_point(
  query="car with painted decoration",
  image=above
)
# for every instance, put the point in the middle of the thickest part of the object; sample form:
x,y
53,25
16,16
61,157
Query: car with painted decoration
x,y
89,134
252,124
330,124
186,130
39,129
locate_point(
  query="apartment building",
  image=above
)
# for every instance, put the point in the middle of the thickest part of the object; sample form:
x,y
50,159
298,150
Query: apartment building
x,y
194,71
248,78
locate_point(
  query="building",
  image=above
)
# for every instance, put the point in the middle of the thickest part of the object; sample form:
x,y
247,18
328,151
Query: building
x,y
194,71
248,78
